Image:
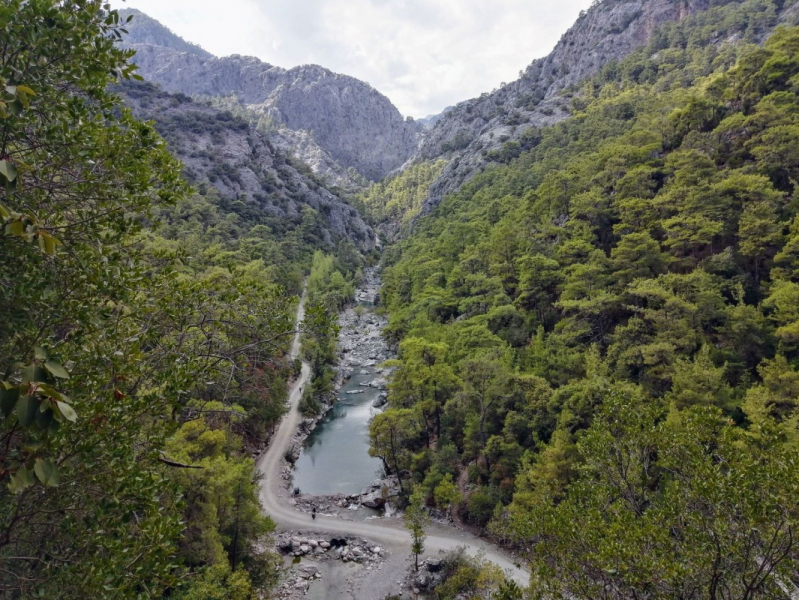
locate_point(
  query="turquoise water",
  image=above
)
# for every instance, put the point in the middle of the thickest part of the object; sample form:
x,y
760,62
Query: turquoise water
x,y
335,457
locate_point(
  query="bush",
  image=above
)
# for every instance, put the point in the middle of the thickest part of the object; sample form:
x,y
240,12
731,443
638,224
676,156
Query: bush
x,y
481,505
309,405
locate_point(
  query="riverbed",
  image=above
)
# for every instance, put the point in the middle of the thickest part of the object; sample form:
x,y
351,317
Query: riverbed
x,y
335,456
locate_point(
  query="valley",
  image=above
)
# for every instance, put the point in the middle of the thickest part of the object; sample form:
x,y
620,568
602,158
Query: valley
x,y
263,336
386,531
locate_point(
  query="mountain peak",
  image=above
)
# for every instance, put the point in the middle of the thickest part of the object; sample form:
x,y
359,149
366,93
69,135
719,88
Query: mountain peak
x,y
144,30
355,124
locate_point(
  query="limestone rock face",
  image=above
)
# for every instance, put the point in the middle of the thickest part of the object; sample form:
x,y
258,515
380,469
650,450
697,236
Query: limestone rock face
x,y
347,118
143,29
608,31
223,152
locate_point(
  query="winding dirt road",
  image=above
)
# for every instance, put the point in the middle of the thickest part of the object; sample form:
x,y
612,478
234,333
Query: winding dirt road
x,y
388,532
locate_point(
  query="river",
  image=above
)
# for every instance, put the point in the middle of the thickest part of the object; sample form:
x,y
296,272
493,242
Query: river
x,y
335,456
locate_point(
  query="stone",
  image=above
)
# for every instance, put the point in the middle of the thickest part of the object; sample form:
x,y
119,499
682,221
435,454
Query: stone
x,y
361,128
434,564
308,571
422,579
373,499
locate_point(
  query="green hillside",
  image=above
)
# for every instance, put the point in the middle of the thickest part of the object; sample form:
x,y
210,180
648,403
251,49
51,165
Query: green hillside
x,y
601,329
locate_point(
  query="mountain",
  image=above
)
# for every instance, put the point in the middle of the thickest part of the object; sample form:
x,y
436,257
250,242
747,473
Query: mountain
x,y
475,130
599,331
430,120
226,152
143,29
347,118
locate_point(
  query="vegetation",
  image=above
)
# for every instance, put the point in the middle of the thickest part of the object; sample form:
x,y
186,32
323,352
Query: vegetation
x,y
598,355
415,520
616,297
143,339
399,200
331,285
471,577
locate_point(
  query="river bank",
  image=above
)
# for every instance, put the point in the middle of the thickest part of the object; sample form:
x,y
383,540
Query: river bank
x,y
339,579
329,461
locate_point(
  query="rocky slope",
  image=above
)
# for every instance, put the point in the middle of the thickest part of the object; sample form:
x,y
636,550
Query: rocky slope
x,y
608,31
227,153
347,118
143,29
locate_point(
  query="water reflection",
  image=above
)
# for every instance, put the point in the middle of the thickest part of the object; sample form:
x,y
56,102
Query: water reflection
x,y
335,457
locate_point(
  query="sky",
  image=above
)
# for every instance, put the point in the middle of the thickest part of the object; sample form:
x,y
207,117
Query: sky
x,y
424,55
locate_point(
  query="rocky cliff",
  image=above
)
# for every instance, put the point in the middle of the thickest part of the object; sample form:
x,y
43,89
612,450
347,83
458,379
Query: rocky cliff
x,y
347,118
609,31
143,29
224,151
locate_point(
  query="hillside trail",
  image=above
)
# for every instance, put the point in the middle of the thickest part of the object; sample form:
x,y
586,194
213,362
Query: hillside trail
x,y
388,532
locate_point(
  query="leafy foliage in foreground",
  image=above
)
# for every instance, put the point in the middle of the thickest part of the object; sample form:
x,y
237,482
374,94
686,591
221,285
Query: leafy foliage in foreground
x,y
136,364
643,250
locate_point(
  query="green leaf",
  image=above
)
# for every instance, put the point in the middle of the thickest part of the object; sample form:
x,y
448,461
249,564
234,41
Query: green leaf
x,y
8,400
47,472
25,89
67,411
22,480
51,392
44,417
40,353
26,410
56,369
33,373
7,168
16,228
23,99
47,243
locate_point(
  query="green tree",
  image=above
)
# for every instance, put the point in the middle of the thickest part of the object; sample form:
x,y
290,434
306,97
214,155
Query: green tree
x,y
392,434
425,380
416,519
670,507
446,493
78,172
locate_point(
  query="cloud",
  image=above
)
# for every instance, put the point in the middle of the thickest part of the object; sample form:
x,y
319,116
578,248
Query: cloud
x,y
423,54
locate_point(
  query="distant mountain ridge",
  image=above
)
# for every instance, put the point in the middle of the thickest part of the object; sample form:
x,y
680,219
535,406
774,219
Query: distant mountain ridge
x,y
143,29
474,130
430,120
347,118
225,152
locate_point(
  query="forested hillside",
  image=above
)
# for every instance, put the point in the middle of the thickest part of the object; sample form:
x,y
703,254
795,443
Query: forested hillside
x,y
145,322
224,151
598,334
606,32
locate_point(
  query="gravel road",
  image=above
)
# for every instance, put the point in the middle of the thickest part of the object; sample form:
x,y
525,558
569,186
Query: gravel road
x,y
388,532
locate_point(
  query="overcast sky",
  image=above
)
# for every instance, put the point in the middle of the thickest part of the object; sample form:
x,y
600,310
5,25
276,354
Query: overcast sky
x,y
423,54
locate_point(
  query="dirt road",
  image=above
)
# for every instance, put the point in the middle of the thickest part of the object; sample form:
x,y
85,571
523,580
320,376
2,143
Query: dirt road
x,y
387,532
